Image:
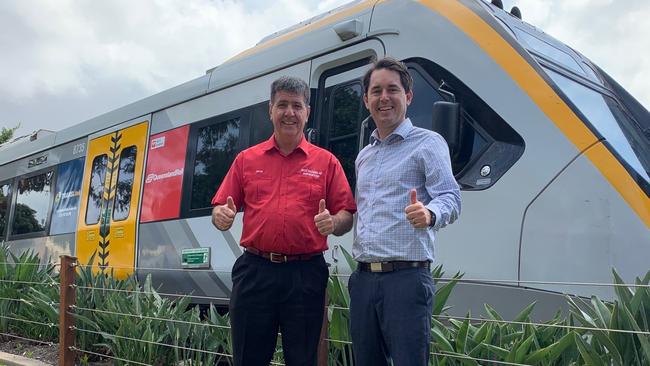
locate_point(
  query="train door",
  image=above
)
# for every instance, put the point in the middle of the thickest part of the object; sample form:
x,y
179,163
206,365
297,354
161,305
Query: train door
x,y
107,226
340,112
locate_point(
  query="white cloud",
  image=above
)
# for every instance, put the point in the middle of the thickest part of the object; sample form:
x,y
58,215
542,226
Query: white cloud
x,y
106,54
66,61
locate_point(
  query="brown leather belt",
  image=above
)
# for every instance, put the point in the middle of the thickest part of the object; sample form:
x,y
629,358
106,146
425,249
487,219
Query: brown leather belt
x,y
379,267
281,258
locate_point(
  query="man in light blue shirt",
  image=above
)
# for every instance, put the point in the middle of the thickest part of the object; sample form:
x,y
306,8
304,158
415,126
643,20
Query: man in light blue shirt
x,y
406,192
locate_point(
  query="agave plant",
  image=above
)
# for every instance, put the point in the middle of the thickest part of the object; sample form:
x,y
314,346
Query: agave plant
x,y
29,293
620,333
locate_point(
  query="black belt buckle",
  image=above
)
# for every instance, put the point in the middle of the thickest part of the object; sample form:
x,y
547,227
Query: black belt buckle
x,y
277,258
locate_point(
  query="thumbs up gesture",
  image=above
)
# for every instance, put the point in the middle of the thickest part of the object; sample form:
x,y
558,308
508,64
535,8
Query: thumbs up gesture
x,y
224,215
324,221
418,215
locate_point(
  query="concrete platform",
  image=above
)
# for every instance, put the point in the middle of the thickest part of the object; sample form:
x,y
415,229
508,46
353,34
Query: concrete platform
x,y
14,360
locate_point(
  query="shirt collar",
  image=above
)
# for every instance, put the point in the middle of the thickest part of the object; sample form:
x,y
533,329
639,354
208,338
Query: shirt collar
x,y
272,144
402,130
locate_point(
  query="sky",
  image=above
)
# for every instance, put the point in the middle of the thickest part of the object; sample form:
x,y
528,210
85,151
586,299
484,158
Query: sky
x,y
63,62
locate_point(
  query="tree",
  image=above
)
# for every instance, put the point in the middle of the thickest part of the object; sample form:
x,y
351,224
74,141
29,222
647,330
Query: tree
x,y
7,133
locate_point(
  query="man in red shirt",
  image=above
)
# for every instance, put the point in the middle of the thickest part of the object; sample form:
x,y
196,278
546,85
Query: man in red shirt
x,y
293,195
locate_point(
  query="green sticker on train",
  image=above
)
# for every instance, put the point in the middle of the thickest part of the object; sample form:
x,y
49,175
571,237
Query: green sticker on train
x,y
195,258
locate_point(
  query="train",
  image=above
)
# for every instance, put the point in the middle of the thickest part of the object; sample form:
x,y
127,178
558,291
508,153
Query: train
x,y
552,156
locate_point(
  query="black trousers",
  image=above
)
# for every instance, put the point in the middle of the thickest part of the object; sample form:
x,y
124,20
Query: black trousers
x,y
267,297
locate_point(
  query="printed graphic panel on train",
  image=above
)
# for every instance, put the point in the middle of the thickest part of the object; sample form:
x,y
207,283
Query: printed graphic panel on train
x,y
110,196
161,197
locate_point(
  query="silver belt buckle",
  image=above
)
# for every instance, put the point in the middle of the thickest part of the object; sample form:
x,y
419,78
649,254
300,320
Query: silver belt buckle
x,y
375,267
277,258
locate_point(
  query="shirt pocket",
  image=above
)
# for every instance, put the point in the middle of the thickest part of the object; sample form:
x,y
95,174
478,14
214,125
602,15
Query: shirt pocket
x,y
259,189
306,190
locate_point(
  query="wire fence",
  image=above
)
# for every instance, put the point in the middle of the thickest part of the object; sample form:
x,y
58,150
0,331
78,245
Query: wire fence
x,y
46,264
476,281
74,307
76,311
50,283
545,325
51,325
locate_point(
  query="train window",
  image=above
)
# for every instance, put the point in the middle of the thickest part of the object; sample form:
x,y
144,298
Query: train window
x,y
424,95
261,122
602,113
96,189
32,204
485,138
549,51
5,191
216,147
122,203
346,113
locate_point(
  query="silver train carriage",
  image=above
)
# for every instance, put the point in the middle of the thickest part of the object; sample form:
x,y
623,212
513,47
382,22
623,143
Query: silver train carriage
x,y
551,153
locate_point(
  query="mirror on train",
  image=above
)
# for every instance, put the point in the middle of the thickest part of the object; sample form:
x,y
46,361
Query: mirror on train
x,y
446,122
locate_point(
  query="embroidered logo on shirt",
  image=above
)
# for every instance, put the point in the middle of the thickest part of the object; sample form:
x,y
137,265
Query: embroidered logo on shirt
x,y
311,173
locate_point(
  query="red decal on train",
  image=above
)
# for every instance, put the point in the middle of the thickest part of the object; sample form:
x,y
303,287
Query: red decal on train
x,y
163,183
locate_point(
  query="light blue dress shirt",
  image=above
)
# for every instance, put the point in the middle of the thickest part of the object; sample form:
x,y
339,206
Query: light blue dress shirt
x,y
387,170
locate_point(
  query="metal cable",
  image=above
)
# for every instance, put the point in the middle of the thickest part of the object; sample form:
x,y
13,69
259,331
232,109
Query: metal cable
x,y
32,283
442,354
487,281
338,341
443,279
157,269
28,339
51,303
144,293
560,283
73,348
149,317
525,323
446,354
338,308
21,300
151,342
164,344
51,325
577,327
33,264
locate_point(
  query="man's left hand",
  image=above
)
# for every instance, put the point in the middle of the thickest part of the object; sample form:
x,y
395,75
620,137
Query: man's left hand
x,y
324,221
418,215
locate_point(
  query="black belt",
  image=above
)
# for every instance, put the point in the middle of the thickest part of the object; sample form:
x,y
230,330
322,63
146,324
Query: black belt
x,y
392,266
281,258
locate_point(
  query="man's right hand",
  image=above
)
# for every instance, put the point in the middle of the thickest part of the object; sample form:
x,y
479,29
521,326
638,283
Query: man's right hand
x,y
224,215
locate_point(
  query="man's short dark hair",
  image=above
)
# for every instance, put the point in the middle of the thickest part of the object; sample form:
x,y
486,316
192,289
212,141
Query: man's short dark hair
x,y
392,64
290,84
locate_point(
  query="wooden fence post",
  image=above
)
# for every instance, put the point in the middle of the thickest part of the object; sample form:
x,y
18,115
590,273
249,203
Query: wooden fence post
x,y
66,320
323,346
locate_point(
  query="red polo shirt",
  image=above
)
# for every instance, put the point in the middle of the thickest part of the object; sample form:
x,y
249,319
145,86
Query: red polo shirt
x,y
280,195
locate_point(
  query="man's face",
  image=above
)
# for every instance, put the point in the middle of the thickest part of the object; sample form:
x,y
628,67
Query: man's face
x,y
289,113
386,99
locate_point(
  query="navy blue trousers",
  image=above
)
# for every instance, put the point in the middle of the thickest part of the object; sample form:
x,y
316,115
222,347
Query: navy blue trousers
x,y
267,297
390,317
